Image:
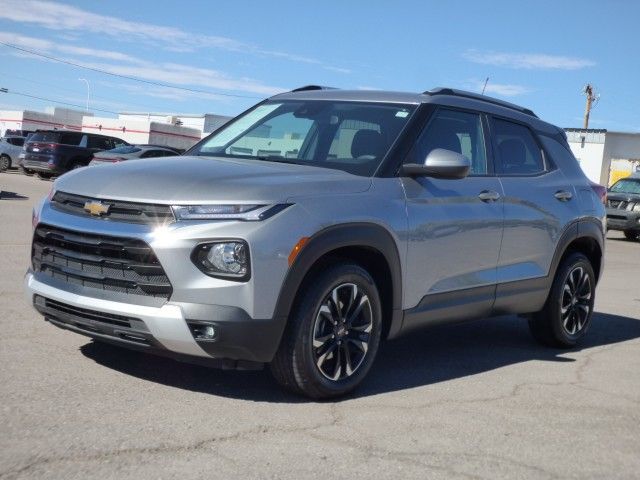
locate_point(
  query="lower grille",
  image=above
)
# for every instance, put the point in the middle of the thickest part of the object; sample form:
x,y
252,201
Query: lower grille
x,y
101,262
94,322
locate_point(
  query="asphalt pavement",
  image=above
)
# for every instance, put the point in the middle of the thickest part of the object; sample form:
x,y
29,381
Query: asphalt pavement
x,y
475,400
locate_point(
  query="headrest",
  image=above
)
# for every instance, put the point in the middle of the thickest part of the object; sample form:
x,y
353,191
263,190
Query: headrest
x,y
366,142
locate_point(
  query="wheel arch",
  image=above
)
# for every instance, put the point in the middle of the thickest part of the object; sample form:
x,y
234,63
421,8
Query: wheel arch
x,y
586,237
368,244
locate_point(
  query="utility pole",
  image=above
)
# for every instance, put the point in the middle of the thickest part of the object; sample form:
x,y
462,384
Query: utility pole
x,y
591,99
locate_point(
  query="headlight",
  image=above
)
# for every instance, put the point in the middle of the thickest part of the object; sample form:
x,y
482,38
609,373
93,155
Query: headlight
x,y
246,212
636,207
227,259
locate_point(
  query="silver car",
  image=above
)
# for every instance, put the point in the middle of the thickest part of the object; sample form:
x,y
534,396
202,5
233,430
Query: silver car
x,y
10,150
317,224
132,152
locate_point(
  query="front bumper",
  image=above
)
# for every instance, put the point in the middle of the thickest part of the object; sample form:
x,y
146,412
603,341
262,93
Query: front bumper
x,y
240,341
623,220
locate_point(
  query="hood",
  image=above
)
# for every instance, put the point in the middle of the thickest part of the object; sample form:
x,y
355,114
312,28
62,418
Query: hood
x,y
190,180
627,197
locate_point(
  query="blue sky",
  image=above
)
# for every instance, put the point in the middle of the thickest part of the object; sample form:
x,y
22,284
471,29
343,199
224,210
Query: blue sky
x,y
538,54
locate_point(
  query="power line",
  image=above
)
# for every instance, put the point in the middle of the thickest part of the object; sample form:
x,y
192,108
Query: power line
x,y
127,77
57,102
75,91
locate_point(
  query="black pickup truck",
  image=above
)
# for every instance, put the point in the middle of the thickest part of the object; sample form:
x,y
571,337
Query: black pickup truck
x,y
54,152
623,207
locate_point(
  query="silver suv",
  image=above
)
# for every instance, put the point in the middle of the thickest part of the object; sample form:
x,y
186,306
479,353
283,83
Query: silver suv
x,y
320,222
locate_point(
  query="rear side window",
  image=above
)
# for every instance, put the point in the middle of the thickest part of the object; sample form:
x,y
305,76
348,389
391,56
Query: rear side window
x,y
460,132
101,143
517,151
70,138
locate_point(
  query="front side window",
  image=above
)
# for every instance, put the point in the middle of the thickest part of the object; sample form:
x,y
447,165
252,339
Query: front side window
x,y
460,132
517,151
353,137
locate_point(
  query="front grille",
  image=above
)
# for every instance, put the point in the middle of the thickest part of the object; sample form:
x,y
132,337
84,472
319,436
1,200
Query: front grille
x,y
620,204
126,265
118,210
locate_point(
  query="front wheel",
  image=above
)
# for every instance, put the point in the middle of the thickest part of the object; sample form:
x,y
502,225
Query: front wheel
x,y
333,335
5,163
631,235
566,315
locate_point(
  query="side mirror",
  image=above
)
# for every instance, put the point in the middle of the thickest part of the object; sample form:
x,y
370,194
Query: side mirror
x,y
440,163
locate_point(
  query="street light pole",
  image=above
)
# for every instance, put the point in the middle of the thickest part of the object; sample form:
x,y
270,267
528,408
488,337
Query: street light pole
x,y
87,82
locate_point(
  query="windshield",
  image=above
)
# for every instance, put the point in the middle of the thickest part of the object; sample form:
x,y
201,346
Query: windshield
x,y
125,149
627,185
353,137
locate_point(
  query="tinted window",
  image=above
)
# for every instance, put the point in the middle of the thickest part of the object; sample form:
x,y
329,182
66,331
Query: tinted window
x,y
459,132
18,142
152,154
45,137
517,152
100,142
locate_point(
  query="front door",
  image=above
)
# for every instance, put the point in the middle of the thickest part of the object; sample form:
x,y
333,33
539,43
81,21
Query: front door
x,y
455,226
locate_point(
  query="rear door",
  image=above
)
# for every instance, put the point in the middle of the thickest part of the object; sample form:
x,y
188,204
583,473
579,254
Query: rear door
x,y
539,204
455,226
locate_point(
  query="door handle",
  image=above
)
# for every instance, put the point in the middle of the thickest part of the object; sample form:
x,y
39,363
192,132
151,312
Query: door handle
x,y
489,196
563,195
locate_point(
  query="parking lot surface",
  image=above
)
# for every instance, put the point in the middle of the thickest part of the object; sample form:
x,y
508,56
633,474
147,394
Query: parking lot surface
x,y
475,400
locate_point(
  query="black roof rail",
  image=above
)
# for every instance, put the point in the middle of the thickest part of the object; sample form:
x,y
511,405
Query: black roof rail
x,y
476,96
307,88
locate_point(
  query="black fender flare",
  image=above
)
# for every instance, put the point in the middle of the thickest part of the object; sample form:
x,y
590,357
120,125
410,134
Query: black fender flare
x,y
357,234
583,228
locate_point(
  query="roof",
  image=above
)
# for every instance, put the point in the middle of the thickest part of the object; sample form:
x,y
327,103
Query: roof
x,y
441,96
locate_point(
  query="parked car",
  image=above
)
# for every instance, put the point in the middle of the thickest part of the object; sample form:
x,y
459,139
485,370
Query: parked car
x,y
623,207
54,152
132,152
320,222
10,149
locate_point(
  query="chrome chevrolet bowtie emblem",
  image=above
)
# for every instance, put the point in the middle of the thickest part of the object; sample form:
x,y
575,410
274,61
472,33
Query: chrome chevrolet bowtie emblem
x,y
96,208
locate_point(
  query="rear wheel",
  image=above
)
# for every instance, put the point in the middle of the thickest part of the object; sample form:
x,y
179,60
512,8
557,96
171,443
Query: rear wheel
x,y
631,235
566,316
5,163
333,335
26,171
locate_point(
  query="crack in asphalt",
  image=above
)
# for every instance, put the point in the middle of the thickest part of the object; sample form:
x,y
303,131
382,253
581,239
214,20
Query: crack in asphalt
x,y
160,449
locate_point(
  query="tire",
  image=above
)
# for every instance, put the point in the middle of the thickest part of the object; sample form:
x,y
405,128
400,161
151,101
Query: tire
x,y
28,173
566,316
322,359
44,176
5,163
631,235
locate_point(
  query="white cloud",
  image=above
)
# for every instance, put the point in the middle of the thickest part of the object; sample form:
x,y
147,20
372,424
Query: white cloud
x,y
123,64
67,18
528,61
499,89
506,90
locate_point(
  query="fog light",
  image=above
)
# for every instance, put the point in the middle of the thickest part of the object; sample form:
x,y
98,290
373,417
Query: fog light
x,y
208,332
203,331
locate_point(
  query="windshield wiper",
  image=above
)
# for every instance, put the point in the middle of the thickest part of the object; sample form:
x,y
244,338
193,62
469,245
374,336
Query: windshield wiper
x,y
276,158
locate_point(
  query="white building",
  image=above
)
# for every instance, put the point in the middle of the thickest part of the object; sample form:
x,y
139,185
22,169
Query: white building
x,y
206,123
143,131
52,118
603,155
